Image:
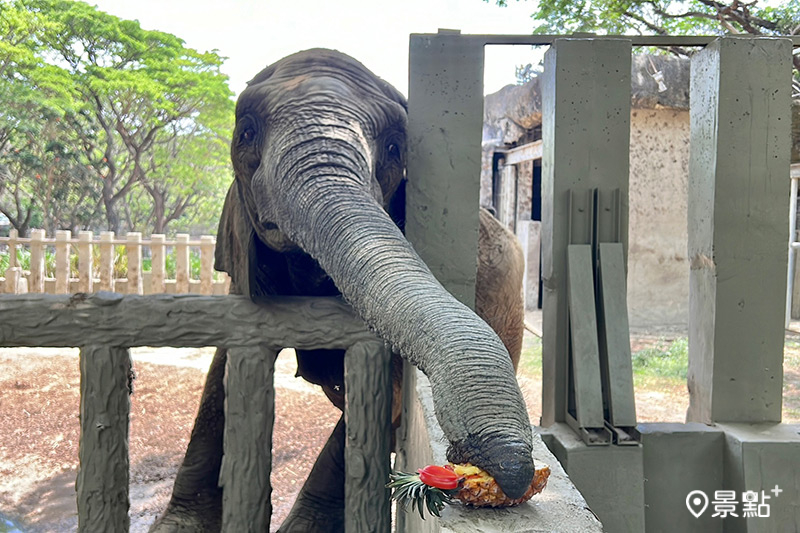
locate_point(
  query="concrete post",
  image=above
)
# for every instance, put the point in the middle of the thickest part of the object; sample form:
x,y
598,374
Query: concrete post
x,y
368,418
106,261
157,263
62,261
207,243
37,260
134,251
13,236
739,161
249,419
445,119
103,476
85,263
182,274
585,131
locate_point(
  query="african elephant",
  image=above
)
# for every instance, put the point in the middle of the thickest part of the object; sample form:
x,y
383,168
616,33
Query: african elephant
x,y
316,209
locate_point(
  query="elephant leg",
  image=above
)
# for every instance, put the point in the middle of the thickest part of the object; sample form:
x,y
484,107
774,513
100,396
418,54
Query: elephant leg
x,y
320,504
196,503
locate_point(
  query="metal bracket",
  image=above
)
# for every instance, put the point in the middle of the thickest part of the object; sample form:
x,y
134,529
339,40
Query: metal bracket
x,y
600,400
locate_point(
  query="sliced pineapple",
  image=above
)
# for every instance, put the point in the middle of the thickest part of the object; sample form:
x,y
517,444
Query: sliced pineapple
x,y
434,486
479,489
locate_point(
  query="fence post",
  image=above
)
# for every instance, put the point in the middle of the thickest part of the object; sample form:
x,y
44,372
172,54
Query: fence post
x,y
157,263
106,261
13,235
367,414
207,243
85,271
62,261
103,474
182,274
12,280
247,459
134,251
37,260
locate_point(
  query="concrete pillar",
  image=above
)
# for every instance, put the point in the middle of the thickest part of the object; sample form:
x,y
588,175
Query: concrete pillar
x,y
106,260
37,260
207,243
85,261
103,475
63,238
445,119
134,249
738,188
585,135
157,263
182,266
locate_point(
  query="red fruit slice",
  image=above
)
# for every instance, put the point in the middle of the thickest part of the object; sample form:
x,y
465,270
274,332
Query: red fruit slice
x,y
439,477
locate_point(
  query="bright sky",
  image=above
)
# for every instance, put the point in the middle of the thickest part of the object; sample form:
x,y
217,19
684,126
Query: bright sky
x,y
252,34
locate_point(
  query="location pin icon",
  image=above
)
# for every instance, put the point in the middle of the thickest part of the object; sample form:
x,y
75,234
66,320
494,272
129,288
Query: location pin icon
x,y
697,502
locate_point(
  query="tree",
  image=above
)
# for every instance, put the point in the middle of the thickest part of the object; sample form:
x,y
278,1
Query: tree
x,y
113,96
33,95
138,86
661,17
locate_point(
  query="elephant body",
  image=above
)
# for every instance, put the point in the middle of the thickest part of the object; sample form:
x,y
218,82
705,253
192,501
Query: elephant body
x,y
317,209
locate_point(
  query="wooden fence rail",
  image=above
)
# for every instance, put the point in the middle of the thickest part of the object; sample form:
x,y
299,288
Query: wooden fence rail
x,y
105,324
96,264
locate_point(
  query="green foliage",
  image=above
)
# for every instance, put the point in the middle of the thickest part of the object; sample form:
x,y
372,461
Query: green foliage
x,y
665,359
97,113
686,17
530,361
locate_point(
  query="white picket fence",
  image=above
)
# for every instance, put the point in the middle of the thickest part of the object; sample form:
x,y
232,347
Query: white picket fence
x,y
102,277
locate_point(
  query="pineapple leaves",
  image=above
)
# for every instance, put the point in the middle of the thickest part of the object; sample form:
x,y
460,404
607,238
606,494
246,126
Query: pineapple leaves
x,y
408,489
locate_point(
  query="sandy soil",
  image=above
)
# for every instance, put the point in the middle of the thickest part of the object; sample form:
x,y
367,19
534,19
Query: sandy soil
x,y
39,401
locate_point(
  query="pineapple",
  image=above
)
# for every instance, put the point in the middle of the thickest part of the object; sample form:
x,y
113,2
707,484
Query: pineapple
x,y
434,486
479,489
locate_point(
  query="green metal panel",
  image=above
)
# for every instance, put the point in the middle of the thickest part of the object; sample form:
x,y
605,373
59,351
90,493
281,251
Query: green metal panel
x,y
738,186
588,409
445,119
615,356
585,130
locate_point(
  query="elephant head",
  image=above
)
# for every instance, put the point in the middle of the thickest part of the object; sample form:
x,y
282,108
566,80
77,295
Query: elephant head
x,y
318,153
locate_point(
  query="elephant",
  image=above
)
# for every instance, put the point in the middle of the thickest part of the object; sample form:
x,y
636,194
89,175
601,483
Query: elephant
x,y
316,208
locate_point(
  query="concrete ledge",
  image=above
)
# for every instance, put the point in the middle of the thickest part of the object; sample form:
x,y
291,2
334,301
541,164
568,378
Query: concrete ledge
x,y
611,478
759,457
678,459
559,508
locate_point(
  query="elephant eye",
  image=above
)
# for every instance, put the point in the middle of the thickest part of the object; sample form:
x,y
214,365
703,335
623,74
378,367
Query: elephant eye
x,y
247,136
393,150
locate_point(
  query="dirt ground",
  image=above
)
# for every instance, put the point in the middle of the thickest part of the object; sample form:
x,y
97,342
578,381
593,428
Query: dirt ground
x,y
39,401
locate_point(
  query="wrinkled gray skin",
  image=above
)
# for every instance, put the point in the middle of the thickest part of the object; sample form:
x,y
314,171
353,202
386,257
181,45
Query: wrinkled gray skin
x,y
319,157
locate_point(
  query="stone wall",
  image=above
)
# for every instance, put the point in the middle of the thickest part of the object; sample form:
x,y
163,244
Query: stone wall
x,y
658,269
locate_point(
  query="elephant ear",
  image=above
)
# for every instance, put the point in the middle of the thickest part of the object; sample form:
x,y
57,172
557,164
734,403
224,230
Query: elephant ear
x,y
233,237
240,253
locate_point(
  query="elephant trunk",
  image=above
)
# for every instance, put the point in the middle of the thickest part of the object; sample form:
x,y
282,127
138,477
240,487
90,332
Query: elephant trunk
x,y
325,204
